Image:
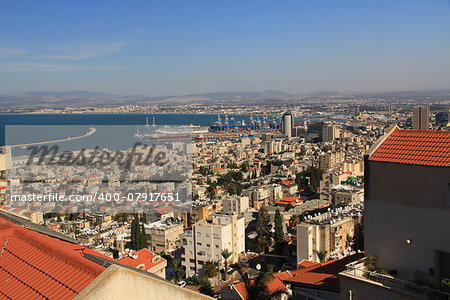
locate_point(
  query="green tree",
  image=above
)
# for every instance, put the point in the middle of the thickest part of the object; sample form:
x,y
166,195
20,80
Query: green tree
x,y
226,254
178,269
206,289
211,269
210,190
244,166
263,239
257,287
135,233
321,255
143,243
288,207
279,232
370,263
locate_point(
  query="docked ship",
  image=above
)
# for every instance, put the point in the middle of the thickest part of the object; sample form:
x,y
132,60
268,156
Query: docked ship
x,y
168,133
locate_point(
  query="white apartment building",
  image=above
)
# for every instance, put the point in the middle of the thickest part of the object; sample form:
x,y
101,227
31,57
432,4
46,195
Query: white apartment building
x,y
333,232
206,240
164,236
235,204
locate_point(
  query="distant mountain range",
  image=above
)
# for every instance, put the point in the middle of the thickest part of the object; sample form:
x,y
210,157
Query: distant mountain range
x,y
38,99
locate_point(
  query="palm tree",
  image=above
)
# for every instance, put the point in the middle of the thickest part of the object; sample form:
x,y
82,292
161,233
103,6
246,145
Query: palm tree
x,y
226,254
177,268
256,287
211,269
321,255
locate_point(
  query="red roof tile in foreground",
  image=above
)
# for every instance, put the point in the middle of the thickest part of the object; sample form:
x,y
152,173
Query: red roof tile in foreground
x,y
417,147
37,266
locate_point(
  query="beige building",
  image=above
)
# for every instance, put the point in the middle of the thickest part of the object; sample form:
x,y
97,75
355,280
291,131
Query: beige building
x,y
329,180
421,118
330,132
235,204
272,147
356,167
118,282
330,160
164,236
258,196
333,232
206,240
347,196
31,215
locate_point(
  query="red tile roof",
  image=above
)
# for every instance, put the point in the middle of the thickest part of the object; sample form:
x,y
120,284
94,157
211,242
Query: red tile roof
x,y
164,210
145,260
417,147
321,274
35,265
274,285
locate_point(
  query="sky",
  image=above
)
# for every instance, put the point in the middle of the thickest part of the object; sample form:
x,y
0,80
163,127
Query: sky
x,y
168,47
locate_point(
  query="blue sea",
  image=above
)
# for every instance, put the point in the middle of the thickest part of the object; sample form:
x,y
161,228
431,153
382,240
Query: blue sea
x,y
9,120
125,119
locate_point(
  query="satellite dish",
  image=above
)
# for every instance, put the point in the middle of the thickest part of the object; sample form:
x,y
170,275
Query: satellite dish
x,y
258,267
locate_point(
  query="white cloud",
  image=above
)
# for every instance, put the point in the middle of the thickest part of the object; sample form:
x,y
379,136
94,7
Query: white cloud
x,y
7,52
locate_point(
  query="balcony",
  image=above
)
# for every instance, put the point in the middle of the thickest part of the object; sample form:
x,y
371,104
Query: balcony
x,y
357,269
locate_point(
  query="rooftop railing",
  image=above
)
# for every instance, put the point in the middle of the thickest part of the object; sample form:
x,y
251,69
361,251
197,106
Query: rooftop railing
x,y
357,269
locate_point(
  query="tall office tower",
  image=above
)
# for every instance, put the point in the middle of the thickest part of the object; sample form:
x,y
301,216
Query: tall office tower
x,y
330,132
288,124
420,118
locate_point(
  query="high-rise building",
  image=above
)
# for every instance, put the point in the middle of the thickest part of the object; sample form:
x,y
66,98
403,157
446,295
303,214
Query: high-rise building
x,y
421,117
288,124
330,132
